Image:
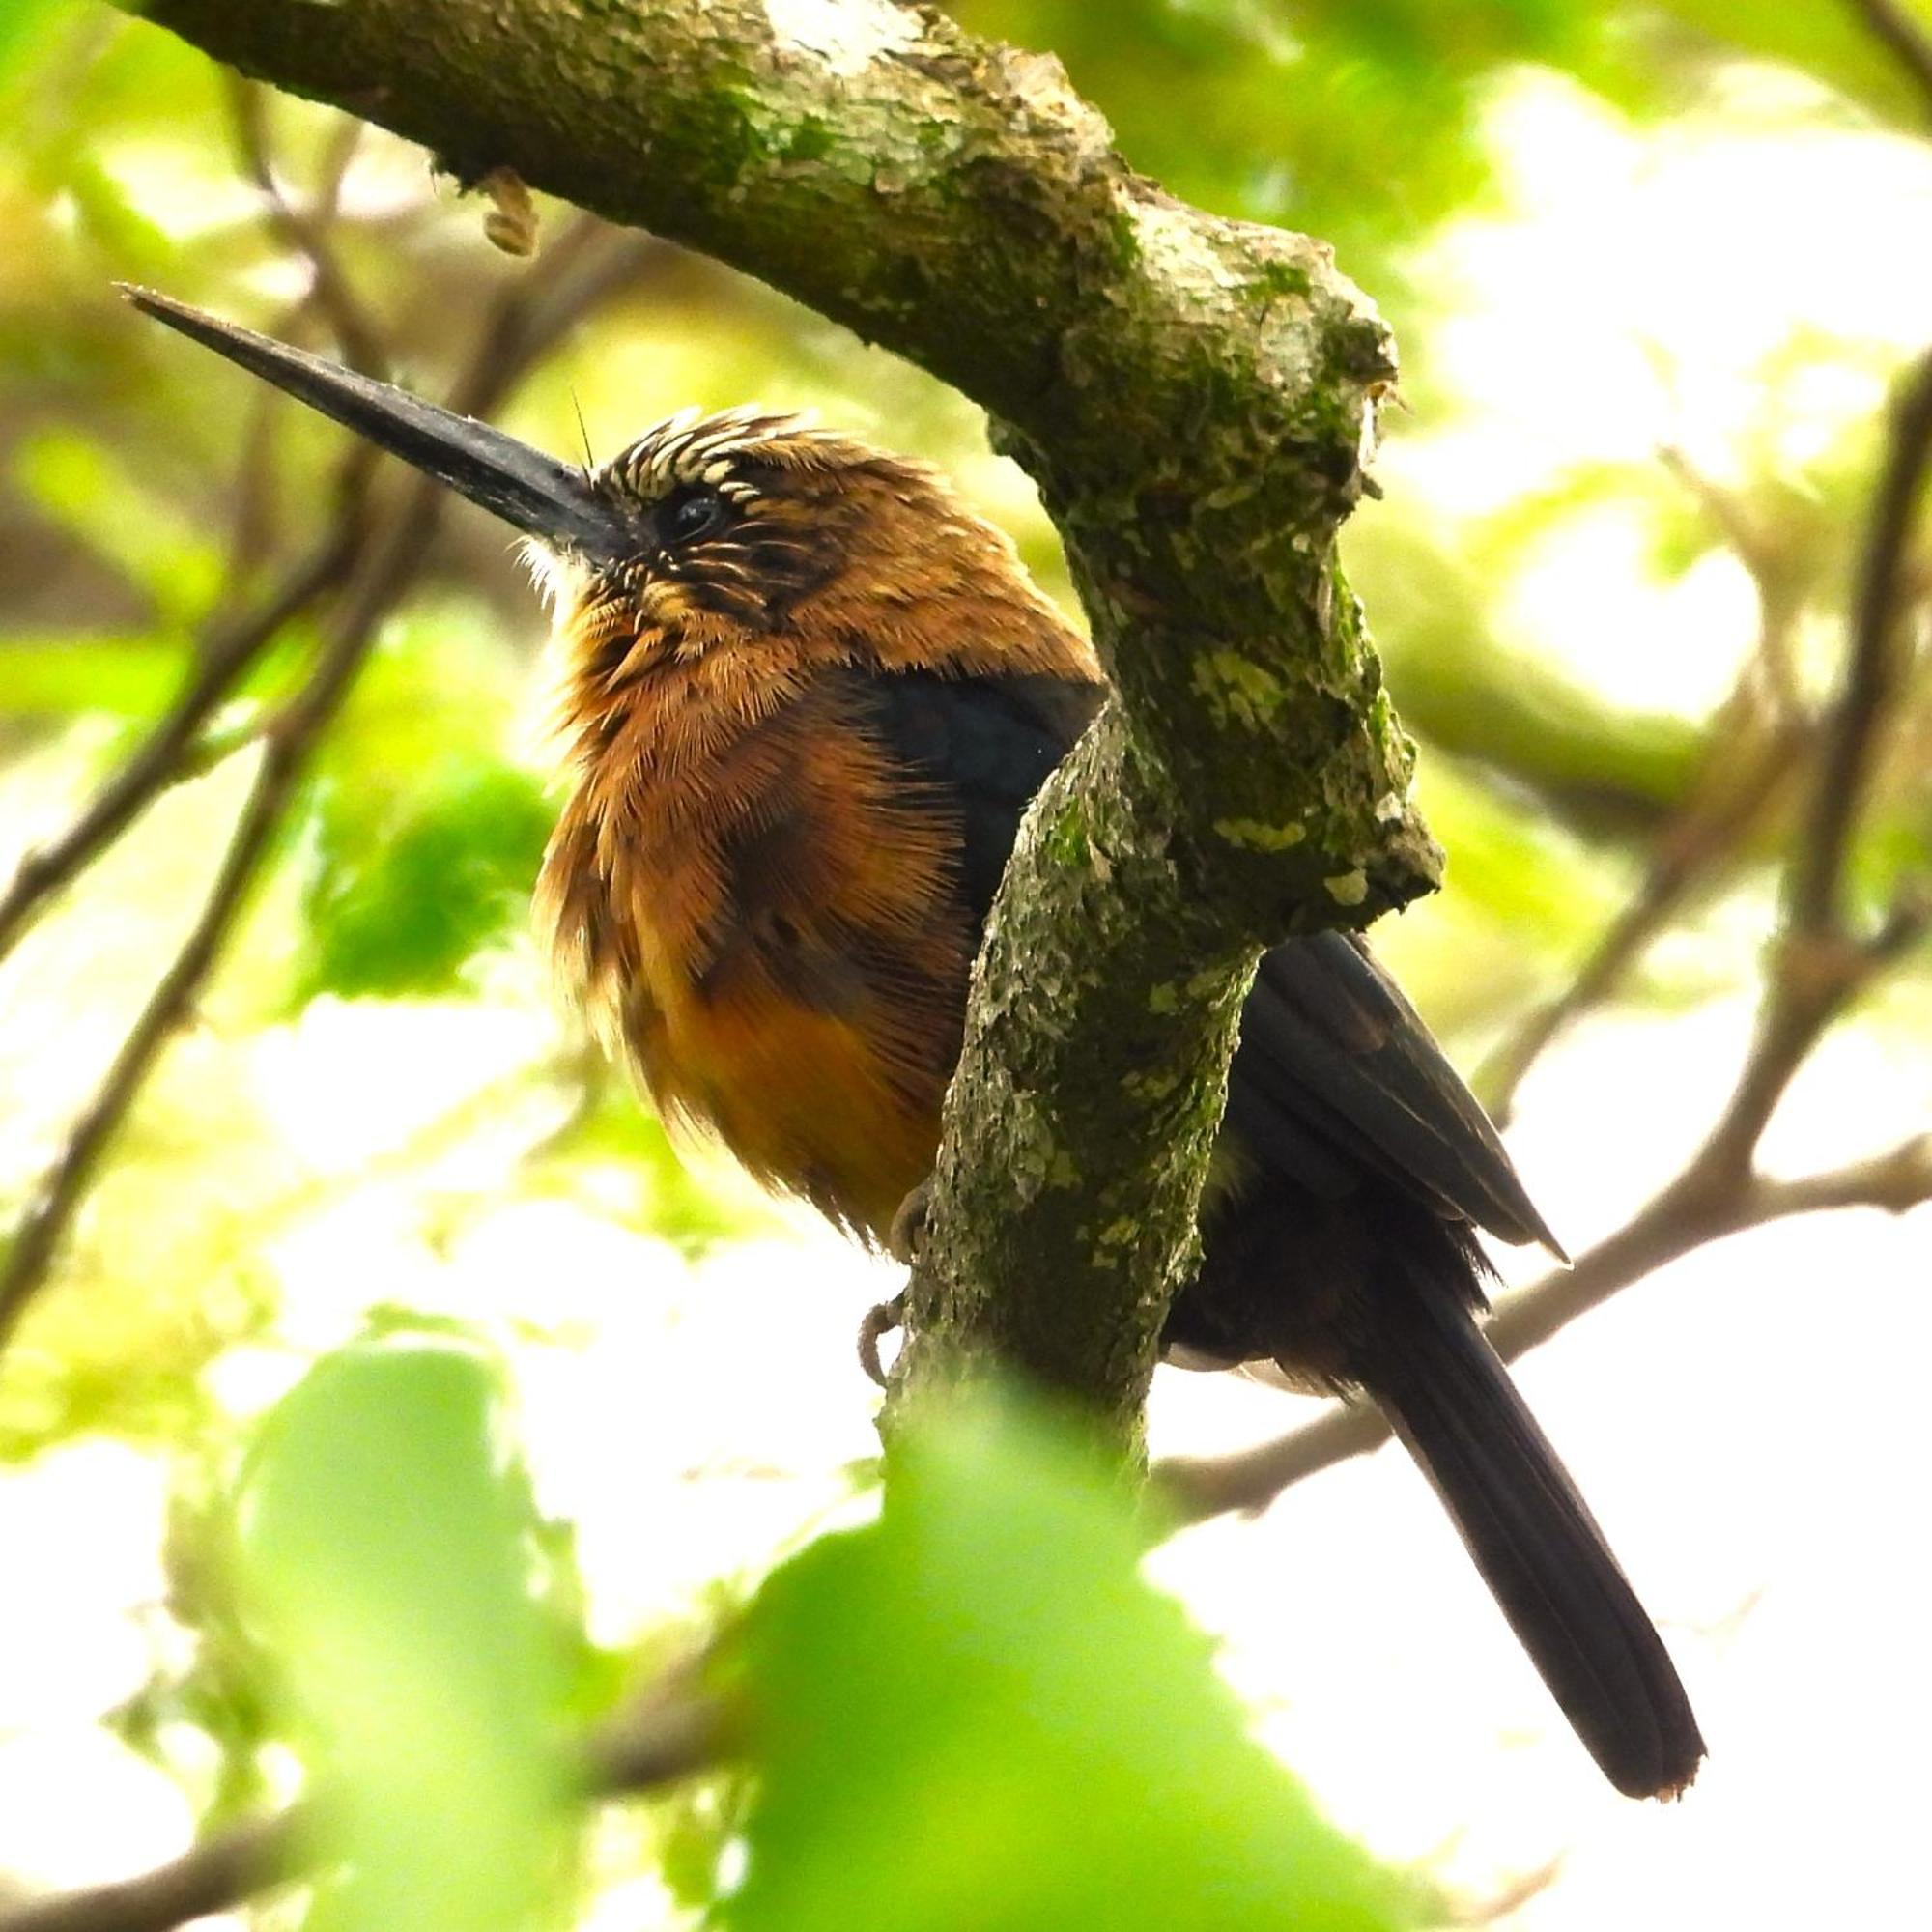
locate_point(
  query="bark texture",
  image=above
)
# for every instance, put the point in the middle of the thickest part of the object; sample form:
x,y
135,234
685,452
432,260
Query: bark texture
x,y
1195,398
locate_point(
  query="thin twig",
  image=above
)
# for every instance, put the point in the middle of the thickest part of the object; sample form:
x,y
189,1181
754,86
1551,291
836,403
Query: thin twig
x,y
210,1877
333,171
1896,1181
674,1732
289,741
523,324
313,230
1820,964
233,642
1709,833
1191,1490
1509,1898
251,522
677,1727
1757,548
306,230
1906,40
1757,739
1876,667
163,757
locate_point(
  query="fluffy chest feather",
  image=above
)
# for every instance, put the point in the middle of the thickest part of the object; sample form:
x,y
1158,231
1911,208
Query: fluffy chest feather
x,y
753,899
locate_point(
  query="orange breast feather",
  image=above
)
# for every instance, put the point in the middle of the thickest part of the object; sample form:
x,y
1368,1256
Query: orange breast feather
x,y
747,895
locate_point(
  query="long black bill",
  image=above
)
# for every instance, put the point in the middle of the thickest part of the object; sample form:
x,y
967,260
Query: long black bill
x,y
536,492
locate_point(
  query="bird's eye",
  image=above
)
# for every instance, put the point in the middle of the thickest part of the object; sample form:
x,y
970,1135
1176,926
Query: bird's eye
x,y
693,515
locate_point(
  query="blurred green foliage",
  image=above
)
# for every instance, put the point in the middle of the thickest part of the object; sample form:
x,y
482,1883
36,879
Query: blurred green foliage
x,y
976,1714
386,1545
626,1153
407,882
1359,121
21,23
402,897
979,1676
157,548
106,676
972,1713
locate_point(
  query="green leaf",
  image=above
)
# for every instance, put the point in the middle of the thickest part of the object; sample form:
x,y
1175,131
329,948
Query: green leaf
x,y
975,1714
386,1550
23,23
426,832
409,883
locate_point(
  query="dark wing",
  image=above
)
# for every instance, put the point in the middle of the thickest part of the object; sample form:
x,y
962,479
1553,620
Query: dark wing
x,y
1336,1077
1336,1074
987,745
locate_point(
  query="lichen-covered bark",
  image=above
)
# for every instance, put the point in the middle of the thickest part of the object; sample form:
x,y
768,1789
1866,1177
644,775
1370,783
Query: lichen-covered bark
x,y
1093,1078
1194,397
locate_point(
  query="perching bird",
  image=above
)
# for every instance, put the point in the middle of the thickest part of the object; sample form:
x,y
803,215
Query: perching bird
x,y
807,696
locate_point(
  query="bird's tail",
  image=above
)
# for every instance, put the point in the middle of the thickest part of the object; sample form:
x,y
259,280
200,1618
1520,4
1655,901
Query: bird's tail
x,y
1451,1401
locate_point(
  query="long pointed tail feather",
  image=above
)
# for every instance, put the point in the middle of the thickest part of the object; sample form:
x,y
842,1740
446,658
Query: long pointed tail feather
x,y
1452,1403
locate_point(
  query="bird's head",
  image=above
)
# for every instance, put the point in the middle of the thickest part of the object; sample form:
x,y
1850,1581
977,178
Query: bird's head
x,y
709,535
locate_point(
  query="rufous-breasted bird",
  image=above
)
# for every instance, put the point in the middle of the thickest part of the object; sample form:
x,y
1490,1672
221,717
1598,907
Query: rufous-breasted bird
x,y
807,696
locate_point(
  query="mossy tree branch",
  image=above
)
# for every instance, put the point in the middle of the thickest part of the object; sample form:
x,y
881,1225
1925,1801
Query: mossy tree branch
x,y
1193,396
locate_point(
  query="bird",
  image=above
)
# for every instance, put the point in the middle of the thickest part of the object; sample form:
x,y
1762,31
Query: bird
x,y
805,698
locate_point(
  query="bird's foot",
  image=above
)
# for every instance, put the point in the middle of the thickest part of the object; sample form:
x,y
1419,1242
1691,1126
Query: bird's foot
x,y
907,1234
904,1240
881,1319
